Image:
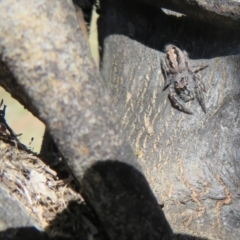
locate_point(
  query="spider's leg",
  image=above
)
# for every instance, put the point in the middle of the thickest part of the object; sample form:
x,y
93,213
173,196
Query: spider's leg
x,y
201,83
200,68
177,101
166,74
168,81
198,78
197,70
199,91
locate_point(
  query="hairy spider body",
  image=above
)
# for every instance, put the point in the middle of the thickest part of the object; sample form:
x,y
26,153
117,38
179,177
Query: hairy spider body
x,y
177,74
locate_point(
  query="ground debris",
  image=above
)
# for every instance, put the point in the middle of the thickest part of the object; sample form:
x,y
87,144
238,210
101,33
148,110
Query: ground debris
x,y
52,202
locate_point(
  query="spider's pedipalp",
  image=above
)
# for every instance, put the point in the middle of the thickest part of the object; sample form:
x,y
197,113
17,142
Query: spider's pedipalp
x,y
177,101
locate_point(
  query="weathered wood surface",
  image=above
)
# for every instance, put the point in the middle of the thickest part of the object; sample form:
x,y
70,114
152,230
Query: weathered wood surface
x,y
191,161
12,214
69,115
215,12
15,221
50,58
10,84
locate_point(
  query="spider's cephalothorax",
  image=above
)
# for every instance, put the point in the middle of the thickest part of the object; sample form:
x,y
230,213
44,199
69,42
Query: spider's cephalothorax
x,y
184,84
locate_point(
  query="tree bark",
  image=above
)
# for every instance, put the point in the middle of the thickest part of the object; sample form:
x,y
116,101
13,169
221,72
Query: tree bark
x,y
47,72
50,58
10,84
191,161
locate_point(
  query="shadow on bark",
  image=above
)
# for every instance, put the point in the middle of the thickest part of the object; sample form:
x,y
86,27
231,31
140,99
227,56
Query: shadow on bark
x,y
191,162
126,209
155,28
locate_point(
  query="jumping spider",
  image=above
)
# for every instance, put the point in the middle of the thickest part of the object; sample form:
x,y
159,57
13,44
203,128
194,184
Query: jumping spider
x,y
177,74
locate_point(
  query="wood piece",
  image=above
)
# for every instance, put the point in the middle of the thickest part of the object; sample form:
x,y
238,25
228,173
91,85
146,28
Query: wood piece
x,y
191,161
49,56
33,197
9,83
12,212
64,85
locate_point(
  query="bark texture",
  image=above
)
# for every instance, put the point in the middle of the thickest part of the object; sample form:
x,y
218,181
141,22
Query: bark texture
x,y
13,215
54,68
42,44
191,162
10,84
215,12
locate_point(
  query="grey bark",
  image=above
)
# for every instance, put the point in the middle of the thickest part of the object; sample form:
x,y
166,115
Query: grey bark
x,y
10,84
15,222
191,161
220,13
69,115
48,55
12,214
